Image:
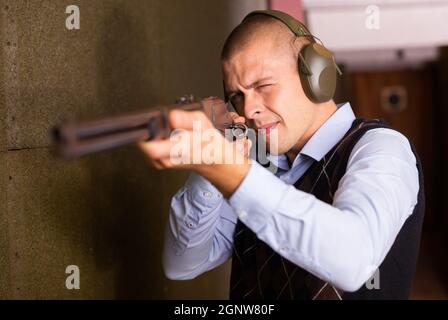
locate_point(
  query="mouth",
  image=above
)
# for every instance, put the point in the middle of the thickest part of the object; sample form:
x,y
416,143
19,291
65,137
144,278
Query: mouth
x,y
267,128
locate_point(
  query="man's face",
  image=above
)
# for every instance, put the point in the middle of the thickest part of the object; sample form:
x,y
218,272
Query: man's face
x,y
264,86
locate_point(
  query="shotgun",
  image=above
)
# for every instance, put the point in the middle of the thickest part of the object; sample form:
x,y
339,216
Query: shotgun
x,y
74,139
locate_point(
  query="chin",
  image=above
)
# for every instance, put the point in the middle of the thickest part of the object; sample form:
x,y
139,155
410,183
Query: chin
x,y
276,150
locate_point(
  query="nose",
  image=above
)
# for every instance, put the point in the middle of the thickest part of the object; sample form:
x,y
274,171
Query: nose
x,y
253,106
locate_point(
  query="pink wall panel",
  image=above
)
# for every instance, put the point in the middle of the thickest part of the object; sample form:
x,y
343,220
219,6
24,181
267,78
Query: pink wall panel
x,y
292,7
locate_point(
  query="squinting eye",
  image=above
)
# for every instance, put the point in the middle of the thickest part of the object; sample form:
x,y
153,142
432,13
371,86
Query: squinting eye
x,y
264,86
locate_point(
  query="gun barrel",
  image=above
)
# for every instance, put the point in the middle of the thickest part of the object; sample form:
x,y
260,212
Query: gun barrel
x,y
75,139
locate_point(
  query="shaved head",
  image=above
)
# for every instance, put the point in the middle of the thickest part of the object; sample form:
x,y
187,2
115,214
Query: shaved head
x,y
263,30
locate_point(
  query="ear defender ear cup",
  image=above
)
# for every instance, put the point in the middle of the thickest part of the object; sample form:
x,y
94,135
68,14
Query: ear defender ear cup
x,y
317,69
318,73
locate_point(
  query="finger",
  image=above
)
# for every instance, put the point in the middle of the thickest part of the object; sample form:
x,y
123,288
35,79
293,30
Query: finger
x,y
179,119
173,163
243,146
157,149
178,148
163,163
247,147
156,164
236,118
152,162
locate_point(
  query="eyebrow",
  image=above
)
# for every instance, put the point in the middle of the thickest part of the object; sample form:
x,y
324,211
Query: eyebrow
x,y
253,84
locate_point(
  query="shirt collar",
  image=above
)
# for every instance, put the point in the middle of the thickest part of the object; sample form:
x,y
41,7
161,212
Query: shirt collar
x,y
330,133
324,139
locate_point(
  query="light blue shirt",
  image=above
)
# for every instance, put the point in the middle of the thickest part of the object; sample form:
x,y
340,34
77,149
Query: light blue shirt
x,y
343,243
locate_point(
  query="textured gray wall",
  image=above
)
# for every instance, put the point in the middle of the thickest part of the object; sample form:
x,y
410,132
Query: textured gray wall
x,y
104,213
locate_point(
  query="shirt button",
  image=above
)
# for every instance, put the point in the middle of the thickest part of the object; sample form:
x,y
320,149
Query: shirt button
x,y
241,213
190,225
207,194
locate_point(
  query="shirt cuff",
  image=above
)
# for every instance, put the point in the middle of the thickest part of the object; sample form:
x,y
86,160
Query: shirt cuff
x,y
202,193
258,197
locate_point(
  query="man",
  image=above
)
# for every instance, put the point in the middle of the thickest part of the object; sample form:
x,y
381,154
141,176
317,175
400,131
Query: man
x,y
345,204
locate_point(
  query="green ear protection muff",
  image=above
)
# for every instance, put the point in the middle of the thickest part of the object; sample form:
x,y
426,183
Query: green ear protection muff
x,y
317,67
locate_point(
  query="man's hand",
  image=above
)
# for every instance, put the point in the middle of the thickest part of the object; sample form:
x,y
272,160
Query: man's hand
x,y
197,145
244,145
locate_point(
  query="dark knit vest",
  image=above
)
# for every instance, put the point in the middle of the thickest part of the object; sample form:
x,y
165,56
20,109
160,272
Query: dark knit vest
x,y
258,272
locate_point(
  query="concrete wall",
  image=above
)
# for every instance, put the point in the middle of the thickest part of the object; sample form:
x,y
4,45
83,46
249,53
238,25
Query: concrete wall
x,y
104,213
